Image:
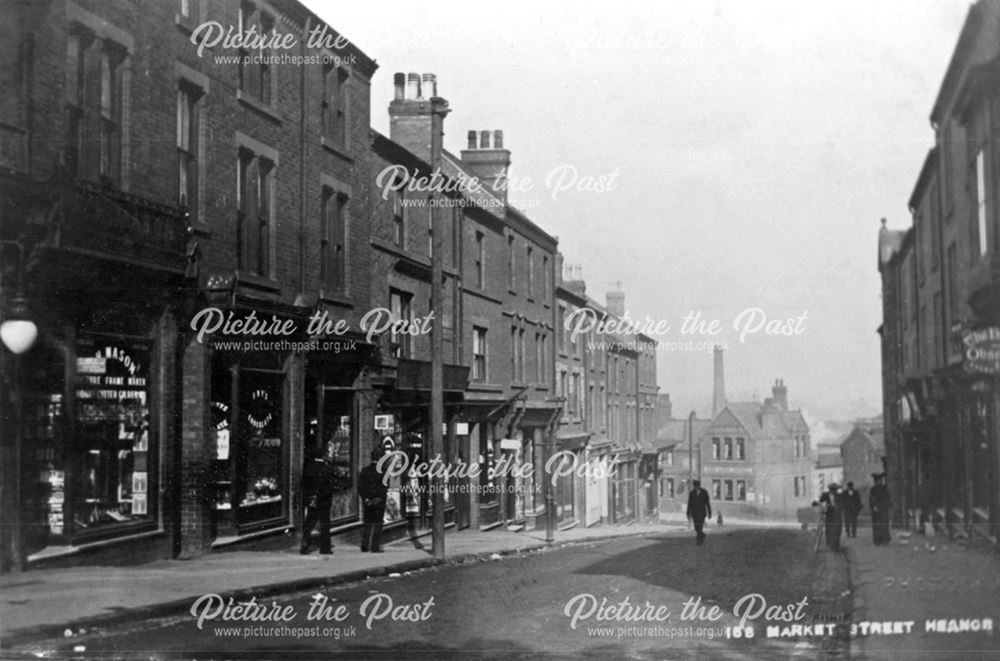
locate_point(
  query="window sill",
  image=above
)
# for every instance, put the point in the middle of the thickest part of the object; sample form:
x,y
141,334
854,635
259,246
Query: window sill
x,y
259,106
485,387
339,151
257,281
336,298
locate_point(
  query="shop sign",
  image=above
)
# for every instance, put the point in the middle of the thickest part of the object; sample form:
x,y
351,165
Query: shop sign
x,y
981,350
91,365
510,444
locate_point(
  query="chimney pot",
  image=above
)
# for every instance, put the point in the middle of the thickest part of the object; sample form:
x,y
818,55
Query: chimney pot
x,y
429,89
472,139
413,86
484,139
498,139
399,86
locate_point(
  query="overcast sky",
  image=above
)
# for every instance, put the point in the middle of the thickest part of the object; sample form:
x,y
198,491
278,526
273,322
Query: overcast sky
x,y
756,146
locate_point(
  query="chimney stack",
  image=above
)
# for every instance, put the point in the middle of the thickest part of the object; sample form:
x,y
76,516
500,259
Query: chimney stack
x,y
616,302
780,393
416,113
719,384
488,164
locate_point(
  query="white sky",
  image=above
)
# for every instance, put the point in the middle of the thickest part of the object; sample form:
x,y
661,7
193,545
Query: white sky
x,y
757,145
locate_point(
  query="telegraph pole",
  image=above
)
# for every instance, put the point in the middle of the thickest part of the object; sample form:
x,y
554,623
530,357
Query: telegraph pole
x,y
439,108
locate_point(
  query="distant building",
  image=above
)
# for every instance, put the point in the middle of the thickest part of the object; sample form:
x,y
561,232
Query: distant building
x,y
863,453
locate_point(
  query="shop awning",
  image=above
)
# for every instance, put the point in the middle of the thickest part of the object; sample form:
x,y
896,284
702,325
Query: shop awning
x,y
572,441
416,375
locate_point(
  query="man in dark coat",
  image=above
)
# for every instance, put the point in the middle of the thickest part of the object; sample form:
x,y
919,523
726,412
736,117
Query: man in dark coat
x,y
831,517
317,490
850,507
880,503
373,491
699,508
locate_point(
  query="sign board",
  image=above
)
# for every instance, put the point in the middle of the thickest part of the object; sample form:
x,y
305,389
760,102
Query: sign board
x,y
510,444
462,428
92,365
981,350
383,422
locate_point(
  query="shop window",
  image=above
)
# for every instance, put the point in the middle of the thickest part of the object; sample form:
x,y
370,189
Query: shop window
x,y
92,475
248,488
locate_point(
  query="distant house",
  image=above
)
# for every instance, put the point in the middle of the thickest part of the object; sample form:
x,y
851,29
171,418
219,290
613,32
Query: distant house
x,y
863,453
828,469
678,444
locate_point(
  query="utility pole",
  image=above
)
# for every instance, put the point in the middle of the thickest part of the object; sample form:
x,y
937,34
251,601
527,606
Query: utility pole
x,y
439,108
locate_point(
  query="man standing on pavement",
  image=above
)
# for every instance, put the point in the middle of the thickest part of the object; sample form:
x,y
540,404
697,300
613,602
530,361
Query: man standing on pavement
x,y
317,489
699,508
880,502
373,491
850,506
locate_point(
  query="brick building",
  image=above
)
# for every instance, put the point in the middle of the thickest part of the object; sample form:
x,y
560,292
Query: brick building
x,y
941,306
195,188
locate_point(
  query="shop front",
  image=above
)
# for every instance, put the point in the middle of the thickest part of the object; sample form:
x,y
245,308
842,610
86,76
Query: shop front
x,y
88,408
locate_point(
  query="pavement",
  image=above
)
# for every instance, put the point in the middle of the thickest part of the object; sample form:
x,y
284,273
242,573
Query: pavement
x,y
41,604
922,579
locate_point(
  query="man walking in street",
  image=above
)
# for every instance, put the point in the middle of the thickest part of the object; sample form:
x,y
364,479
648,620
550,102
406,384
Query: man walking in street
x,y
317,489
699,508
880,502
850,506
373,491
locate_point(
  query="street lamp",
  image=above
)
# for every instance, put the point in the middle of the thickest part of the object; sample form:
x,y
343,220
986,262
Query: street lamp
x,y
17,331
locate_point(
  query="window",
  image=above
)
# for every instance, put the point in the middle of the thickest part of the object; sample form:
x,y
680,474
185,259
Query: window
x,y
478,353
520,355
981,238
111,112
563,386
531,271
716,448
741,448
513,353
580,394
332,241
561,330
795,486
254,67
571,395
94,106
717,489
728,493
334,105
729,448
188,126
670,487
670,457
480,257
399,306
934,227
952,284
547,293
538,358
543,360
511,265
399,214
741,490
254,197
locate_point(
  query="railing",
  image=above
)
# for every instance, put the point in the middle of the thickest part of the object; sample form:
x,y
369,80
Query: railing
x,y
103,220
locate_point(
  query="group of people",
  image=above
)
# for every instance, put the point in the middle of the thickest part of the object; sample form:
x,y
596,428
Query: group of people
x,y
840,509
318,488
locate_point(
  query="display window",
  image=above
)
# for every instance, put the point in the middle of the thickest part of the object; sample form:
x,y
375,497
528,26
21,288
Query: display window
x,y
91,447
330,411
248,486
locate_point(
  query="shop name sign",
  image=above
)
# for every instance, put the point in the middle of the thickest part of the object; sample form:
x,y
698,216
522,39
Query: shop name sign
x,y
981,349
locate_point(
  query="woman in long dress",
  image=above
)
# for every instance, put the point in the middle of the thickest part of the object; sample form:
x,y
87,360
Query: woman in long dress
x,y
880,504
